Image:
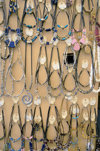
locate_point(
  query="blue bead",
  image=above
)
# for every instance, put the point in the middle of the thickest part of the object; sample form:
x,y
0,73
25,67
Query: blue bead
x,y
55,30
69,33
47,43
66,26
46,17
29,26
6,30
11,45
63,38
40,30
41,38
18,30
54,39
48,29
39,19
7,41
58,26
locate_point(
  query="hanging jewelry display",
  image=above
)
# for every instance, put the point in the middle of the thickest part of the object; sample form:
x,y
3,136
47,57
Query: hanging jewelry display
x,y
51,122
15,118
74,112
89,87
29,9
62,8
54,67
28,121
64,127
2,122
38,125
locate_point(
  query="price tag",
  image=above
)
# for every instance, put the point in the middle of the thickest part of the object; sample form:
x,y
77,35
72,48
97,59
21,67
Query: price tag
x,y
64,114
84,64
55,65
79,8
28,117
37,118
37,100
92,101
85,102
62,5
42,59
74,99
16,117
15,100
1,101
51,119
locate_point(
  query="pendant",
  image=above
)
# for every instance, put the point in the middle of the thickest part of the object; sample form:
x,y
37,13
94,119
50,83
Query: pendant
x,y
84,64
55,65
27,99
74,99
42,59
92,117
29,32
62,5
48,5
92,101
79,8
37,119
37,100
51,100
75,110
87,49
16,117
14,37
55,42
51,119
28,117
64,114
68,96
85,102
1,33
85,116
15,100
69,41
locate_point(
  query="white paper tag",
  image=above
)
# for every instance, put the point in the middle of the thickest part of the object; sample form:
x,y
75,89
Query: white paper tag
x,y
84,64
74,99
92,101
15,100
51,119
42,59
85,102
1,101
64,114
62,5
37,100
55,65
16,117
29,32
79,8
28,117
37,119
1,117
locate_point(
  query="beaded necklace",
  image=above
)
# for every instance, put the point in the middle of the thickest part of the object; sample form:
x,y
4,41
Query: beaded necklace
x,y
55,66
14,119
